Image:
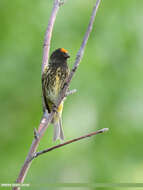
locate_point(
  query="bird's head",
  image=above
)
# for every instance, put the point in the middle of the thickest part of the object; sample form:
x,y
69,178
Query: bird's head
x,y
60,54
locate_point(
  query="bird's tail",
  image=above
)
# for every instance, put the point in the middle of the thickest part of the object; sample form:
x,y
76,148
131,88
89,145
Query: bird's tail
x,y
58,130
57,122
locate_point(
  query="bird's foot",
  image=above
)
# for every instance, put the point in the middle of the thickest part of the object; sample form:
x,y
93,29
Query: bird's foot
x,y
55,108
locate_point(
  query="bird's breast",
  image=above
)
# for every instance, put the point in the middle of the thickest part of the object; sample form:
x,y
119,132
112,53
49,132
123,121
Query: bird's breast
x,y
56,85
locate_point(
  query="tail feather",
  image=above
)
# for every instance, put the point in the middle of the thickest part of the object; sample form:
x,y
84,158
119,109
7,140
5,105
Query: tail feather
x,y
57,122
58,131
61,130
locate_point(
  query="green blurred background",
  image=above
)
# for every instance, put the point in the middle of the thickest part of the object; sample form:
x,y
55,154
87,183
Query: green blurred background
x,y
110,92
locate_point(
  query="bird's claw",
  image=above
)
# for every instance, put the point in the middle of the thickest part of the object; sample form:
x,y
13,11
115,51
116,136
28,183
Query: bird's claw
x,y
55,108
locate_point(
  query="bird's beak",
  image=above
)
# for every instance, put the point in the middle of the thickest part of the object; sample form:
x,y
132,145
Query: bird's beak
x,y
67,55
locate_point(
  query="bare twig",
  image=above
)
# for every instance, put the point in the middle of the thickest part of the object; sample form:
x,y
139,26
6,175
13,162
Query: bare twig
x,y
46,121
48,35
70,92
80,52
68,142
36,135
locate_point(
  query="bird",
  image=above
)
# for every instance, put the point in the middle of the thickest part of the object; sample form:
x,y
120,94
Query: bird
x,y
53,79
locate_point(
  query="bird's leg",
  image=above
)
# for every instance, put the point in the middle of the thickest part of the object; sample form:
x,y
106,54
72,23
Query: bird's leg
x,y
55,108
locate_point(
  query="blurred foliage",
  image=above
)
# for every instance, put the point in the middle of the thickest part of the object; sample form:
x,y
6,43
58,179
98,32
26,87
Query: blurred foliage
x,y
109,83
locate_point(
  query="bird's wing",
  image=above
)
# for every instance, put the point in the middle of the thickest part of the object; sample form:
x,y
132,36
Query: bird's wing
x,y
45,101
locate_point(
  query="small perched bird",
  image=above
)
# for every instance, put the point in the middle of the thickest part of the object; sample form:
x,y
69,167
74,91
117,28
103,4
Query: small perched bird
x,y
53,80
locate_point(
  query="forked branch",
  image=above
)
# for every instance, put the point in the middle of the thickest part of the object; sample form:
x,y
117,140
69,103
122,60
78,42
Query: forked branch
x,y
46,121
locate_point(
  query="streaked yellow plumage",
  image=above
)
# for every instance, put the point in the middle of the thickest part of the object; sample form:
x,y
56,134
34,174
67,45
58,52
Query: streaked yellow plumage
x,y
53,80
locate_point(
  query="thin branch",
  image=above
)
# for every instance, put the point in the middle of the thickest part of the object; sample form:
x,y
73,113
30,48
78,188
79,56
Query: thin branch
x,y
36,135
70,92
48,35
80,52
69,142
46,121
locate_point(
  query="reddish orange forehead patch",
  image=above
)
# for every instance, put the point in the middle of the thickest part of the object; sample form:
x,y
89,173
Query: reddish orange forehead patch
x,y
64,50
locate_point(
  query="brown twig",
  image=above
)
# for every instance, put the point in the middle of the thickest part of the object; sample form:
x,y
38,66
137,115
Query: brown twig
x,y
46,121
70,92
68,142
80,52
48,34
